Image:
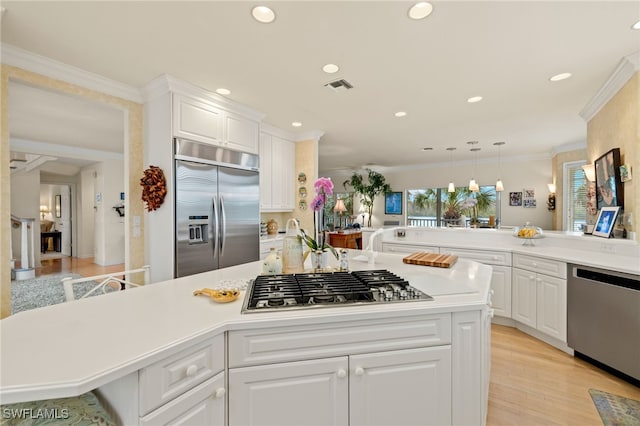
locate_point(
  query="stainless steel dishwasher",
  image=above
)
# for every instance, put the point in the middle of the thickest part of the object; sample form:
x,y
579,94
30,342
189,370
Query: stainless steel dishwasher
x,y
603,317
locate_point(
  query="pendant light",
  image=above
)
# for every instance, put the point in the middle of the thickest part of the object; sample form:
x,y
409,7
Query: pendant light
x,y
452,187
499,185
473,185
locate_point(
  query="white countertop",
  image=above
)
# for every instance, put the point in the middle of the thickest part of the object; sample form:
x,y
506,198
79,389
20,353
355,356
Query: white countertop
x,y
68,349
610,254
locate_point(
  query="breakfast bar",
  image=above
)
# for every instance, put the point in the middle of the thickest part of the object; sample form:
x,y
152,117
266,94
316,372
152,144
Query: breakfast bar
x,y
157,352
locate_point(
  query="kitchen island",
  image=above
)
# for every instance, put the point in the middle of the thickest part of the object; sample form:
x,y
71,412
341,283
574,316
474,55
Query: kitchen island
x,y
157,353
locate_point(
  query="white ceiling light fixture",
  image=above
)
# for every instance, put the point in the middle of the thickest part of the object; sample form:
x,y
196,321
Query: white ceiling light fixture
x,y
560,77
223,91
636,26
451,187
331,68
263,14
474,99
296,124
400,114
499,185
420,10
473,185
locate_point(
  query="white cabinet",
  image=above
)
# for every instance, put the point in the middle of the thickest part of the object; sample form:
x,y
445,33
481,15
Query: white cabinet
x,y
407,248
540,299
202,121
203,405
408,387
293,393
277,167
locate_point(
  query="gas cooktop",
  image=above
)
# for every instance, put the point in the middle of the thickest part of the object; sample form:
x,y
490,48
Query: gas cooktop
x,y
328,289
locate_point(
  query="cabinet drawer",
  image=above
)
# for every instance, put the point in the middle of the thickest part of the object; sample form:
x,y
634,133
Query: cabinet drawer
x,y
252,347
487,257
203,405
176,374
540,265
408,248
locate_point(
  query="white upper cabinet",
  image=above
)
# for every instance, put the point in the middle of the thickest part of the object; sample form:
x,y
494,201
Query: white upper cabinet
x,y
277,168
204,121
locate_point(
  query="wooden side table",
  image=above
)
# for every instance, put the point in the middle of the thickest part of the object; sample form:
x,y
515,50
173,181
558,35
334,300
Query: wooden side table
x,y
352,240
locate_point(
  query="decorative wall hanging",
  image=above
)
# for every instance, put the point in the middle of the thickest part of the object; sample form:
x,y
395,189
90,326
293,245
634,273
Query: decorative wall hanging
x,y
154,187
515,198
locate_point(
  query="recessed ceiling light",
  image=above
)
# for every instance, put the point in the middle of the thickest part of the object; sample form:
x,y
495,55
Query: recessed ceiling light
x,y
296,124
420,10
474,99
636,26
263,14
223,91
330,68
400,114
559,77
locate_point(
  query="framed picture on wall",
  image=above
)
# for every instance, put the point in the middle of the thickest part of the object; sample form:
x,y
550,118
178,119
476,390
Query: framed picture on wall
x,y
609,192
393,203
58,206
515,198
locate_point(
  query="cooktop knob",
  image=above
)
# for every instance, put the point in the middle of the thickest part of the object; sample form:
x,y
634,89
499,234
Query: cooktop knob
x,y
403,294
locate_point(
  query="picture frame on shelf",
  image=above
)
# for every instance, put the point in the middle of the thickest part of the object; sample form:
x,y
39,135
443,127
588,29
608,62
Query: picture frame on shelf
x,y
606,221
393,203
609,191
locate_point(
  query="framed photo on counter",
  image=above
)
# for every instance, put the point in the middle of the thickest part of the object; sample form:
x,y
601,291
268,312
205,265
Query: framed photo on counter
x,y
606,221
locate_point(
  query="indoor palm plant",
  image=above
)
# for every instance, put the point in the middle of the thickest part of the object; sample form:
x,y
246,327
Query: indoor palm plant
x,y
374,185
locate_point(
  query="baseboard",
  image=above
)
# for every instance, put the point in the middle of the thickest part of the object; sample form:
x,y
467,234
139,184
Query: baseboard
x,y
558,344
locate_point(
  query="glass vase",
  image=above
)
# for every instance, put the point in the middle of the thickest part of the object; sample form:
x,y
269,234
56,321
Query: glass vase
x,y
319,260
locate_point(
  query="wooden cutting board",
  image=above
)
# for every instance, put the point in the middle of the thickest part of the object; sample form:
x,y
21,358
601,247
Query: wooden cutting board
x,y
431,259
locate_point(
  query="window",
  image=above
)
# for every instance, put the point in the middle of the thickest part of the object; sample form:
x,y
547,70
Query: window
x,y
575,197
437,207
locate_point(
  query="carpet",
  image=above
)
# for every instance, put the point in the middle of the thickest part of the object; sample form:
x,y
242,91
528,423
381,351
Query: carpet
x,y
44,291
616,410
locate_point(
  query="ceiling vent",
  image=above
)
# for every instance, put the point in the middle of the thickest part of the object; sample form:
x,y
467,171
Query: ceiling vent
x,y
339,85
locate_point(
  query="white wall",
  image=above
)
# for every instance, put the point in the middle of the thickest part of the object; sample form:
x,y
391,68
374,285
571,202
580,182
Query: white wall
x,y
86,214
516,176
109,238
25,202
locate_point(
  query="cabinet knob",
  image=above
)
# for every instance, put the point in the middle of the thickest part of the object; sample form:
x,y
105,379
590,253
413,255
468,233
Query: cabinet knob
x,y
539,280
531,277
535,265
220,393
359,371
495,257
192,370
341,373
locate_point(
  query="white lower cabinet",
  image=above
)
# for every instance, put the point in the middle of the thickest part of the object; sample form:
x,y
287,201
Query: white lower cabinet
x,y
203,405
540,300
501,287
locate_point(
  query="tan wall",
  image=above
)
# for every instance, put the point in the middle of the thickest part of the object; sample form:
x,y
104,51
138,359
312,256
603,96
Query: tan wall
x,y
617,125
557,165
133,125
306,162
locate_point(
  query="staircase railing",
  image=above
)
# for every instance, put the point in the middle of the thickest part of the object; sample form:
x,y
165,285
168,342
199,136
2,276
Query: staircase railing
x,y
27,241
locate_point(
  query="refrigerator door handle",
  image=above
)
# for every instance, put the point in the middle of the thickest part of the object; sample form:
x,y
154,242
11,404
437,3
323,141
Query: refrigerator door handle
x,y
223,226
214,224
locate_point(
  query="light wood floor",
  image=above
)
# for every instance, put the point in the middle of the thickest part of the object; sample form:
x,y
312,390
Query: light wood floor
x,y
532,383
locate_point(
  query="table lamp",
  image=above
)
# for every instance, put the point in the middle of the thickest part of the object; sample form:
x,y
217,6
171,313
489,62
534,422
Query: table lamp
x,y
340,208
44,210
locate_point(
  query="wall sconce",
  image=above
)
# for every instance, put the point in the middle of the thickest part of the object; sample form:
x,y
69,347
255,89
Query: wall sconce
x,y
551,200
44,210
589,172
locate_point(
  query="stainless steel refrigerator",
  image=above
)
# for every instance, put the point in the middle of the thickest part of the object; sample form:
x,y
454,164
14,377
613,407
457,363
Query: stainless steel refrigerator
x,y
217,208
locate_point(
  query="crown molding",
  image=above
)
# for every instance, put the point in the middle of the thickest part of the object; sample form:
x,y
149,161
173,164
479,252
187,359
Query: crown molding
x,y
311,135
165,83
627,67
39,64
567,147
276,131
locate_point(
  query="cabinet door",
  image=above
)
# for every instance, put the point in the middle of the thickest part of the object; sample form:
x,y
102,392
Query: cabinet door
x,y
501,286
197,120
203,405
407,387
552,306
265,171
523,305
242,134
294,393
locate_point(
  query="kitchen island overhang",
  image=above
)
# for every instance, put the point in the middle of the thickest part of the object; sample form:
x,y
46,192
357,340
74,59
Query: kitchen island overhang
x,y
96,341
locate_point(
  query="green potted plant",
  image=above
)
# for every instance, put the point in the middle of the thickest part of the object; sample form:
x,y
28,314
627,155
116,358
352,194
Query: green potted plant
x,y
374,185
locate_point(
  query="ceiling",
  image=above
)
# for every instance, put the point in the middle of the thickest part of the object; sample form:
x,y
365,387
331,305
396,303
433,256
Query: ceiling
x,y
502,51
